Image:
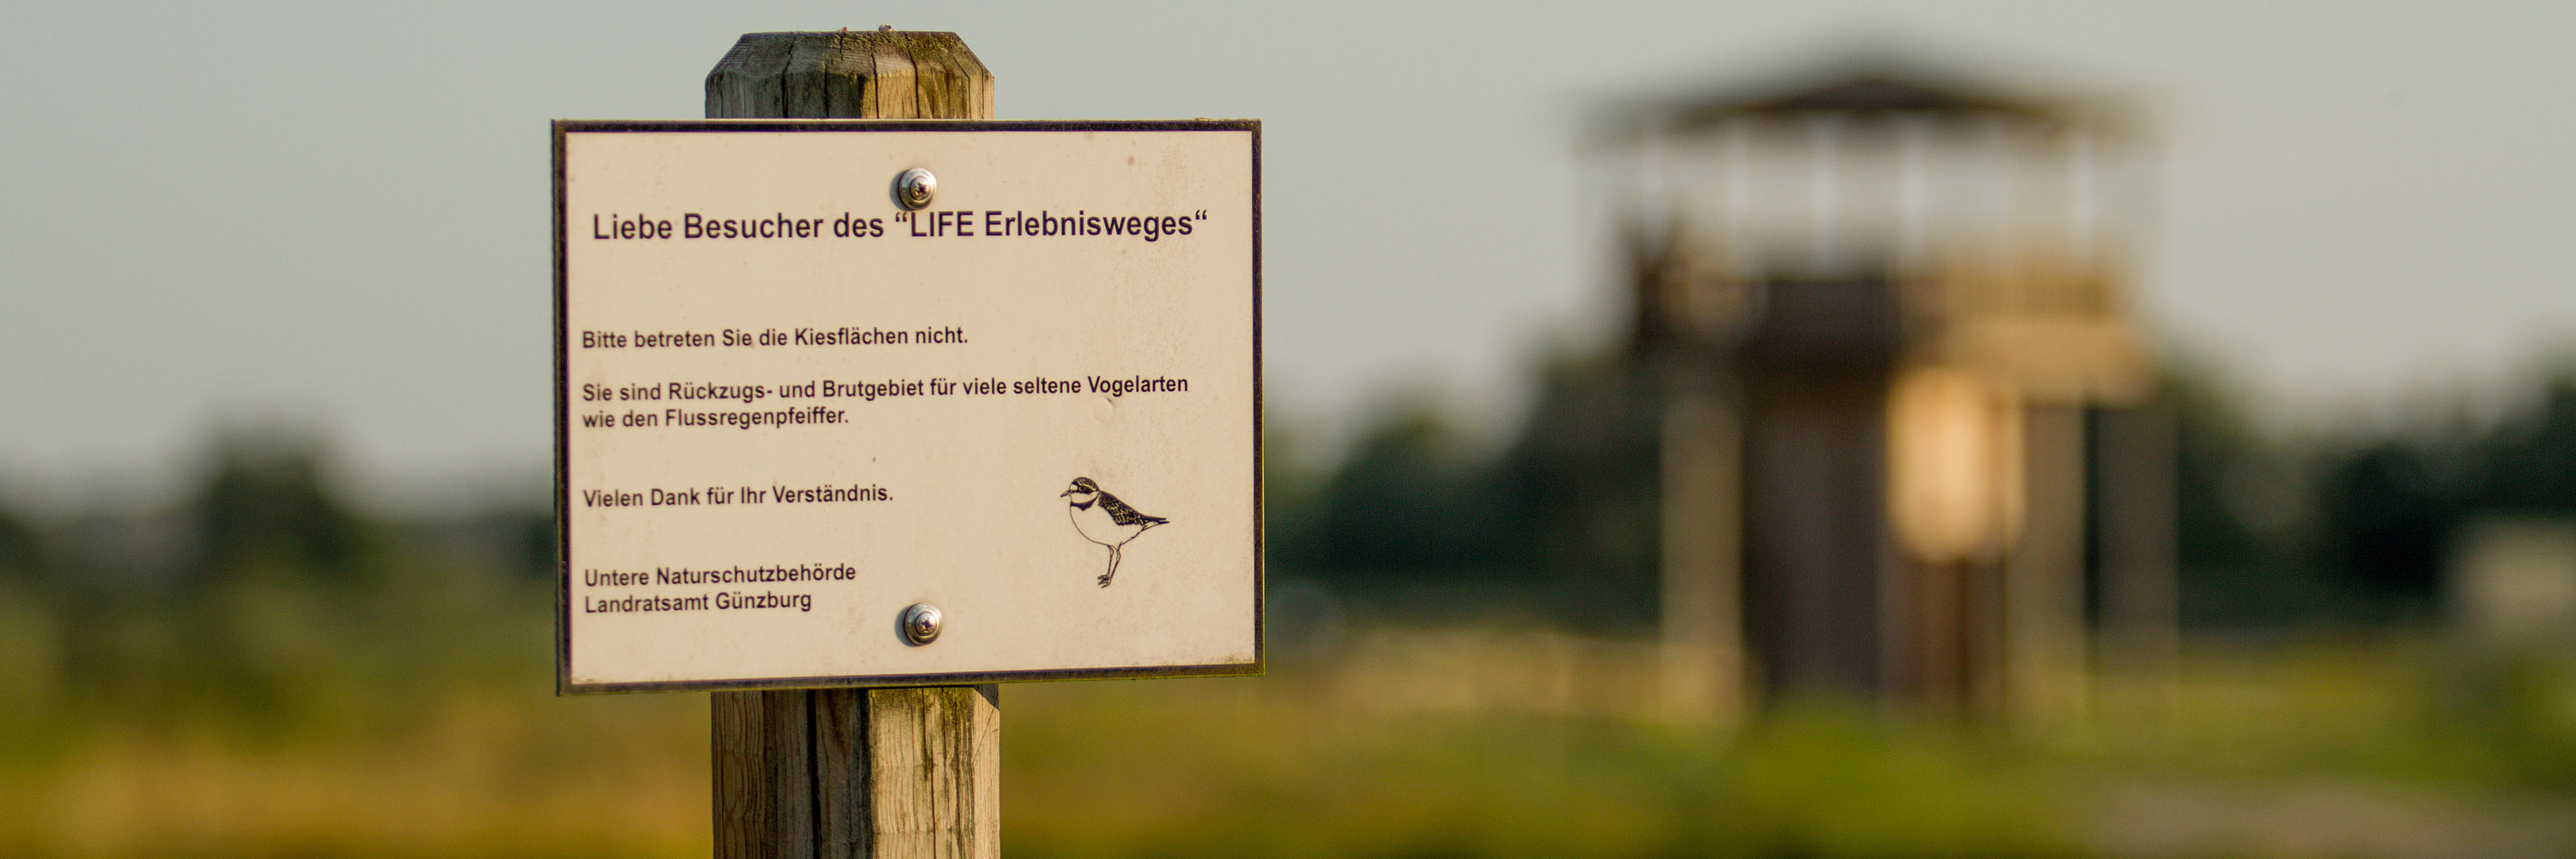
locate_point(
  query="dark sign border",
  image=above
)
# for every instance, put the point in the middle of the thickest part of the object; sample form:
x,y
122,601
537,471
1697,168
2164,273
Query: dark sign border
x,y
563,496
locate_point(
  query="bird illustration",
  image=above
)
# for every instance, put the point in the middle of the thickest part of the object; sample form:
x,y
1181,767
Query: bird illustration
x,y
1105,520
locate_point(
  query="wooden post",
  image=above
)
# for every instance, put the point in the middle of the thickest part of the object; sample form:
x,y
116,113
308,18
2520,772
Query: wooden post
x,y
1703,553
2140,624
2044,576
849,773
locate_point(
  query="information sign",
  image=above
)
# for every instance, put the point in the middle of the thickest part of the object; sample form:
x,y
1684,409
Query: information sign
x,y
864,403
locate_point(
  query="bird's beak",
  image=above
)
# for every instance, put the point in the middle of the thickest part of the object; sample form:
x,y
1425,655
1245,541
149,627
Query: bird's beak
x,y
1064,493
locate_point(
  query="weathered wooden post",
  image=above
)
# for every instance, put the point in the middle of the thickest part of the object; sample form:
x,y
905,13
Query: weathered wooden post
x,y
834,773
883,74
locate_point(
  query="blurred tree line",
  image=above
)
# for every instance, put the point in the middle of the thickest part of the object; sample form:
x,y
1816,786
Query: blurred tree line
x,y
261,512
1559,522
263,595
2358,524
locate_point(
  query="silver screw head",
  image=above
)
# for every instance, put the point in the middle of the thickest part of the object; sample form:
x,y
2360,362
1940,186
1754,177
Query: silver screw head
x,y
921,624
913,188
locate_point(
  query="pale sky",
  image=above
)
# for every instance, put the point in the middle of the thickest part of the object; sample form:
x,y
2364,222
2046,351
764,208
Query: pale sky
x,y
338,212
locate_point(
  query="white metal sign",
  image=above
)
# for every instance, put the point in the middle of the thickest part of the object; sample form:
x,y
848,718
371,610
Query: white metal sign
x,y
818,425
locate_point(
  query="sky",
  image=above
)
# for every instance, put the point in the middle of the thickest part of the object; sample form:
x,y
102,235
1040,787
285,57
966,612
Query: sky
x,y
335,214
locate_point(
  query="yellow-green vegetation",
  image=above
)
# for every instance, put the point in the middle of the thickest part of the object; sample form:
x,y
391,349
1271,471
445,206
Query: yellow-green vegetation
x,y
417,721
1261,768
411,719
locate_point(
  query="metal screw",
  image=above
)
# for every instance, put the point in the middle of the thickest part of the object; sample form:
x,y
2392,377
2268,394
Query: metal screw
x,y
921,624
913,188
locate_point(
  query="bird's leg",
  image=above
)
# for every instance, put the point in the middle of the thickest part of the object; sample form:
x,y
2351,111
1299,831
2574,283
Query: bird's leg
x,y
1113,567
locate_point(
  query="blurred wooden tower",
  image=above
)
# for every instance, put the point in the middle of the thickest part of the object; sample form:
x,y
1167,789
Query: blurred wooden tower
x,y
1906,394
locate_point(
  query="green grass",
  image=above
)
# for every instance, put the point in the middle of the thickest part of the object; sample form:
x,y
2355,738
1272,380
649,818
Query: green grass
x,y
277,723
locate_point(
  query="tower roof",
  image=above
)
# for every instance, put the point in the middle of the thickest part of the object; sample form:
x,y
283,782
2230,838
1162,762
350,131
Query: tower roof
x,y
1874,80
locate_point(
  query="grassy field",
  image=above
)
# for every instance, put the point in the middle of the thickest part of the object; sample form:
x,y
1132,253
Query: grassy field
x,y
279,725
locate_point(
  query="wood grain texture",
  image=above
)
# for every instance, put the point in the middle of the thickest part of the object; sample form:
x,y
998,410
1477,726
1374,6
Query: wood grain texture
x,y
850,75
908,772
843,827
935,771
855,773
764,765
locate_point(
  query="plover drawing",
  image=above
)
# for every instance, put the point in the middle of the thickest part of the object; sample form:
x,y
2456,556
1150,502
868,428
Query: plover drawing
x,y
1105,520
